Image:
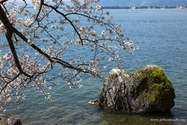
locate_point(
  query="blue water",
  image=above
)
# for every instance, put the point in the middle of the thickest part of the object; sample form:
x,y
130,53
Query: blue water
x,y
162,38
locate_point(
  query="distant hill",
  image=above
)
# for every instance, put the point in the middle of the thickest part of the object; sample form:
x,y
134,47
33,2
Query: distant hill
x,y
126,2
143,2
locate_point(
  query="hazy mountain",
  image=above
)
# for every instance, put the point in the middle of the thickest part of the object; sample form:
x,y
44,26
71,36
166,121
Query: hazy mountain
x,y
125,2
143,2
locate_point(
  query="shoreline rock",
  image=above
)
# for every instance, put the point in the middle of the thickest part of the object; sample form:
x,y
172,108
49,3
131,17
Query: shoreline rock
x,y
5,120
146,90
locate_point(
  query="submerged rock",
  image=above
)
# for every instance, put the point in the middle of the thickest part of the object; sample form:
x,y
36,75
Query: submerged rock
x,y
95,102
143,91
5,120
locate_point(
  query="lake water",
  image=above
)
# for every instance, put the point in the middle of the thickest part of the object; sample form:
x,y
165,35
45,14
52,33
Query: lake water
x,y
162,38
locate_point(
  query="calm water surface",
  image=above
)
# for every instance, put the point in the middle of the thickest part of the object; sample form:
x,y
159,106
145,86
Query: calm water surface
x,y
162,38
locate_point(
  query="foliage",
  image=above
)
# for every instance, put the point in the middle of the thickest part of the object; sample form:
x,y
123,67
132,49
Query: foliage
x,y
36,43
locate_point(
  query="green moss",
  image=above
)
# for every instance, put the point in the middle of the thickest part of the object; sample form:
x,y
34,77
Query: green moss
x,y
160,86
144,76
114,74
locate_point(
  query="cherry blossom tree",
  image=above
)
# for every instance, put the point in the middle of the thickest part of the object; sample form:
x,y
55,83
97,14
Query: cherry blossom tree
x,y
33,43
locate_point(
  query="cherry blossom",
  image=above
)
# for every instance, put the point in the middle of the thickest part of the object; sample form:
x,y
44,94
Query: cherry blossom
x,y
36,43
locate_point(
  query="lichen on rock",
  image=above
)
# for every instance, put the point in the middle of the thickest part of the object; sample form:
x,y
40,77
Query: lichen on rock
x,y
142,91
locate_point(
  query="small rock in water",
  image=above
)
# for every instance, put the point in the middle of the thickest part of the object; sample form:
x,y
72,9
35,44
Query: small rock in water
x,y
95,102
5,120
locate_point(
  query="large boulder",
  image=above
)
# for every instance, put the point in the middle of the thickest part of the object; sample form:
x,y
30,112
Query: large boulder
x,y
5,120
143,91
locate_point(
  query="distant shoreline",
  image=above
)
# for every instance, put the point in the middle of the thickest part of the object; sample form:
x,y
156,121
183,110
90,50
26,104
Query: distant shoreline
x,y
132,8
144,7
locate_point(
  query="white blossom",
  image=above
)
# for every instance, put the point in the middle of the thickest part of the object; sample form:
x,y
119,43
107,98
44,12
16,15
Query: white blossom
x,y
55,38
93,34
53,27
36,7
29,42
98,8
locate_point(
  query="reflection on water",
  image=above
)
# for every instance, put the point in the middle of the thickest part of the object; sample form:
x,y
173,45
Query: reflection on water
x,y
90,114
96,115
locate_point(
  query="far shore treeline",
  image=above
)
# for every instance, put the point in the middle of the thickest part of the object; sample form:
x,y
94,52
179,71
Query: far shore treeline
x,y
144,7
137,7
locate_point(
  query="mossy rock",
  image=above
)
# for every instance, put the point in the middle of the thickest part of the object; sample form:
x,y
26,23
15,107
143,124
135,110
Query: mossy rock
x,y
157,88
142,91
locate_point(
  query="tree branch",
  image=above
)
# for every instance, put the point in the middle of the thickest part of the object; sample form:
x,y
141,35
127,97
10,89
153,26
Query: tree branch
x,y
1,2
67,20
